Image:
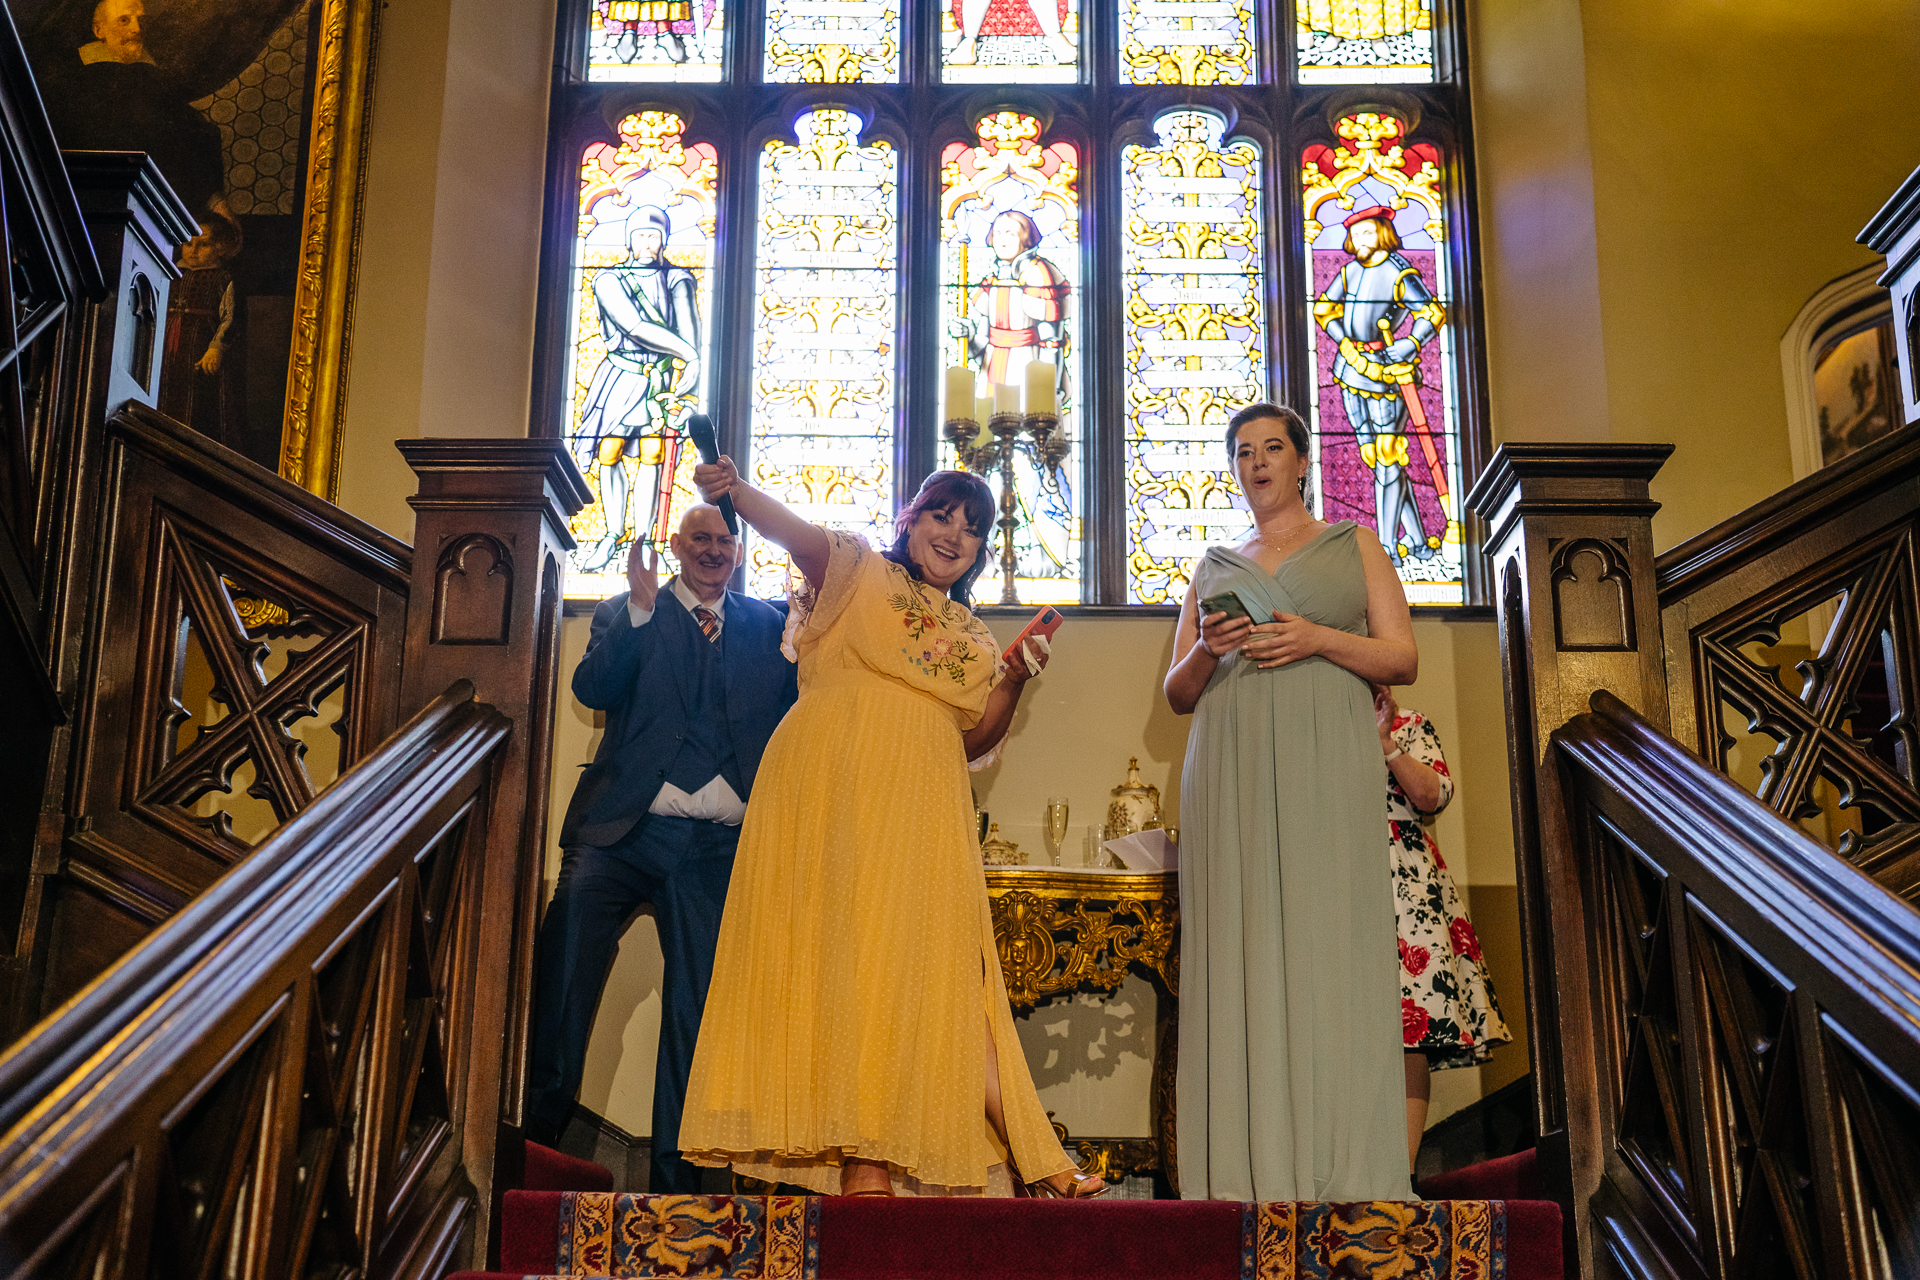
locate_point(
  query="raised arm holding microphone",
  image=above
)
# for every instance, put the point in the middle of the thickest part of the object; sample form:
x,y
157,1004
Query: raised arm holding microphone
x,y
857,1027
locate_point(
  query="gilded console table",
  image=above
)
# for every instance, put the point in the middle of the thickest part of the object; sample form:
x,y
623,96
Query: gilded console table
x,y
1060,931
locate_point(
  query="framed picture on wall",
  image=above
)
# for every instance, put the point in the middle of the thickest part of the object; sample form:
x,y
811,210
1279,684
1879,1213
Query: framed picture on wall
x,y
256,112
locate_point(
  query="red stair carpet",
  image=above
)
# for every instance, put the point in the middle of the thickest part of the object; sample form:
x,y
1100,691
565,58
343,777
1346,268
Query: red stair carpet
x,y
829,1238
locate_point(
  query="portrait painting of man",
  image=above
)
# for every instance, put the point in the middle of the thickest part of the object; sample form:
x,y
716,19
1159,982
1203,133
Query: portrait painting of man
x,y
216,92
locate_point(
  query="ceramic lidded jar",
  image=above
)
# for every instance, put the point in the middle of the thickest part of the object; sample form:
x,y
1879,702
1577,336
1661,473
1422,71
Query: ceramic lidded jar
x,y
1135,806
996,852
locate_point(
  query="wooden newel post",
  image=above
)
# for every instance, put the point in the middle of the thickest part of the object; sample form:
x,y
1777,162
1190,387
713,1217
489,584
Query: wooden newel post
x,y
490,552
1571,548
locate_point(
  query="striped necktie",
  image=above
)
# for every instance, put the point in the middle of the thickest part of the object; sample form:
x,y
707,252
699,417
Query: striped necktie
x,y
709,621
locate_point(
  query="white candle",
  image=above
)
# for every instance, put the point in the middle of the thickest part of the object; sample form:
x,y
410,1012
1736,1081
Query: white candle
x,y
960,401
1006,399
1042,378
982,411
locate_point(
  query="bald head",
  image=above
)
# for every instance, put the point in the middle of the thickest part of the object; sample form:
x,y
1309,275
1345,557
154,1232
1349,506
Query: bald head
x,y
707,551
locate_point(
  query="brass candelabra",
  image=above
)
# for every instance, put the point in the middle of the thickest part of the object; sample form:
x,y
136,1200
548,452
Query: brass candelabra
x,y
1037,435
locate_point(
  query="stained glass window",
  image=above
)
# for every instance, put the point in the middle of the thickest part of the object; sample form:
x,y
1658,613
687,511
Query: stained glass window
x,y
1010,41
891,231
1207,42
1365,41
661,40
642,292
1385,408
824,333
833,42
1010,295
1195,342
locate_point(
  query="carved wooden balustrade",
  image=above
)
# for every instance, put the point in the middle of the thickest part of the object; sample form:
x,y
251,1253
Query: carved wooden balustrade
x,y
1817,769
205,658
1793,650
246,651
272,1082
1757,1002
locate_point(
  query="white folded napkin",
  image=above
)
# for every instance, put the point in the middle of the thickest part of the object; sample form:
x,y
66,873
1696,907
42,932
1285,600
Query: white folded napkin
x,y
1145,851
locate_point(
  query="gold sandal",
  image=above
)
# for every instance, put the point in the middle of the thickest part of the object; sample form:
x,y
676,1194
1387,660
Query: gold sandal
x,y
1079,1182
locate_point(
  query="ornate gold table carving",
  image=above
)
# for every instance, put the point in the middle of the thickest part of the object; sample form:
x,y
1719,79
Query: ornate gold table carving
x,y
1059,931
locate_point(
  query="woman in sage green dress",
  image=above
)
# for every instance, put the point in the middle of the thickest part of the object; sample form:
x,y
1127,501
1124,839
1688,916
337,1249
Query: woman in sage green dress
x,y
1290,1081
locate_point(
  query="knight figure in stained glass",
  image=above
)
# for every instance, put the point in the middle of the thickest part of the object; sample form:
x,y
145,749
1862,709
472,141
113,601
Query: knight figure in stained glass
x,y
1364,309
650,322
1010,270
638,337
1019,305
1386,405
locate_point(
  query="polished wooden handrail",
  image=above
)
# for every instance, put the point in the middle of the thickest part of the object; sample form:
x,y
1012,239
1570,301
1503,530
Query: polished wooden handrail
x,y
266,1076
1756,1021
1764,528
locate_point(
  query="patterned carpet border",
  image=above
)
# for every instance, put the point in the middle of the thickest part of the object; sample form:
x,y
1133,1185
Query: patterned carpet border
x,y
1388,1239
607,1233
623,1236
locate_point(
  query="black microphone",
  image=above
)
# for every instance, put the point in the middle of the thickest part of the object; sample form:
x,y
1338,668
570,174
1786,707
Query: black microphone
x,y
700,427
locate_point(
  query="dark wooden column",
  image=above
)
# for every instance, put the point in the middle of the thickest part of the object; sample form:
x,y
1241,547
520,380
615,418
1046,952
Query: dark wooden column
x,y
490,546
137,223
1895,233
1571,545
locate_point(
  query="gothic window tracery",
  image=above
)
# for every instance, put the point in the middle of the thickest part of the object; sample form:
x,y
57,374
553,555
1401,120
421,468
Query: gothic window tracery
x,y
1181,209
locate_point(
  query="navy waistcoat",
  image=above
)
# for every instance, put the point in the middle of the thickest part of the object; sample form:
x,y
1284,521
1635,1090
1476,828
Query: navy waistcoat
x,y
706,747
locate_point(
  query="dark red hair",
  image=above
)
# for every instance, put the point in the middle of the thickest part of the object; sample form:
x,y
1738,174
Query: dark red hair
x,y
946,491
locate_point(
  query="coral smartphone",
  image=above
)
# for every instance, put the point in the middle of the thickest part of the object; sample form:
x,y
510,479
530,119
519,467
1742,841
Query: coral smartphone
x,y
1227,602
1044,623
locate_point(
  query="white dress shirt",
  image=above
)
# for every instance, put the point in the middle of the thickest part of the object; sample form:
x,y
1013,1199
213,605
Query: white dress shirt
x,y
716,801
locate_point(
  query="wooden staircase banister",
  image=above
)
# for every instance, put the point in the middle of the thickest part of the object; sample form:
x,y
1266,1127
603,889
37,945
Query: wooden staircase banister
x,y
1769,526
267,1074
1745,845
1756,1022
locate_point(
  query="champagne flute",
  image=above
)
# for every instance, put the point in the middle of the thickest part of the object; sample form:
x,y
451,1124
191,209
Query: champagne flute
x,y
1056,827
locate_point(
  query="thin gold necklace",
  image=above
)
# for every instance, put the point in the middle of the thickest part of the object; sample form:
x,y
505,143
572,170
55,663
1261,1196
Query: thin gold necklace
x,y
1295,532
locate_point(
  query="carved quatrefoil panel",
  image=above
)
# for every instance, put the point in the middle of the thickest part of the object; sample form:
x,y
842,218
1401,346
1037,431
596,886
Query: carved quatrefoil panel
x,y
250,708
1811,692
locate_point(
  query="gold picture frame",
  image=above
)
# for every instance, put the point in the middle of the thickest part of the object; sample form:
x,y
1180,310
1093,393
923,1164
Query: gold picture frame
x,y
329,245
257,112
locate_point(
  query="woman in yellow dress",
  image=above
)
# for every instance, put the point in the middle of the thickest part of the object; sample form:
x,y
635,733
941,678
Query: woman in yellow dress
x,y
856,1036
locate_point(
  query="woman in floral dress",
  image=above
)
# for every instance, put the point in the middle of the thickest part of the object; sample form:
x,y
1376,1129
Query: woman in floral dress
x,y
1448,1014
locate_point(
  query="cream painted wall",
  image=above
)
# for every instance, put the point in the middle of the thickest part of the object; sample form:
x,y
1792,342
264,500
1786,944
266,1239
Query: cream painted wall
x,y
1546,370
442,337
1737,150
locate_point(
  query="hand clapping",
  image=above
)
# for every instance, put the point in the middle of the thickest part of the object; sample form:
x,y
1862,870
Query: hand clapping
x,y
643,574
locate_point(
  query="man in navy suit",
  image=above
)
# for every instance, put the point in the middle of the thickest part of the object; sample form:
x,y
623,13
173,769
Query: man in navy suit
x,y
693,683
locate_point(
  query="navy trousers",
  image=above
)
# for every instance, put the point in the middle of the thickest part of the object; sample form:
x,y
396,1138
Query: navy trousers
x,y
682,867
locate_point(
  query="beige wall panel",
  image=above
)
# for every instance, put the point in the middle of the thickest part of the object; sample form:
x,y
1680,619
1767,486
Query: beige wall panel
x,y
1546,364
1737,151
442,339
